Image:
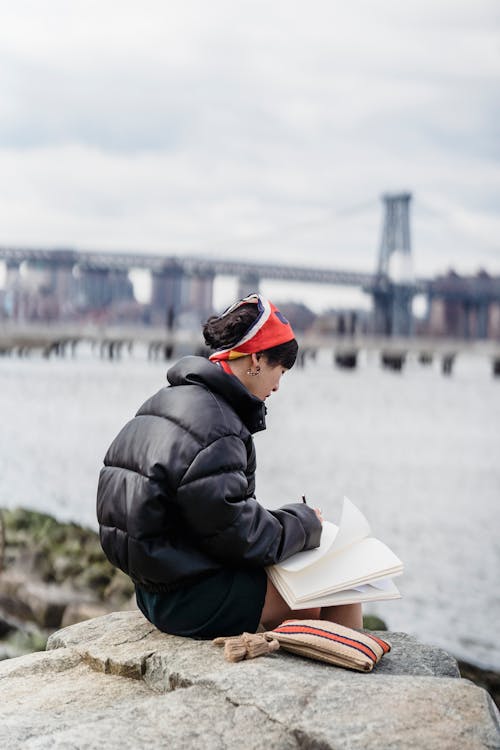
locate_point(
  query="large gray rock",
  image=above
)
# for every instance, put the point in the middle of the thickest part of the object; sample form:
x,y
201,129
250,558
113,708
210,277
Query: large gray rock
x,y
116,682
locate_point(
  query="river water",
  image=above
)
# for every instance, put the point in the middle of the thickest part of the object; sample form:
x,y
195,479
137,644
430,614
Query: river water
x,y
419,453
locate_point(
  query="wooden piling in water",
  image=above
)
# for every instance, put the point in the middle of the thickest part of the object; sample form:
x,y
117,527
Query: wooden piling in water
x,y
393,360
425,358
447,364
346,359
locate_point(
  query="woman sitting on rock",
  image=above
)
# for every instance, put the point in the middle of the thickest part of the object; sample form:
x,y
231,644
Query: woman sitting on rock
x,y
176,498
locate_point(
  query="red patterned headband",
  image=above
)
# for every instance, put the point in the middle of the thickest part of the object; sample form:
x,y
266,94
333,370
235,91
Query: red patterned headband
x,y
269,329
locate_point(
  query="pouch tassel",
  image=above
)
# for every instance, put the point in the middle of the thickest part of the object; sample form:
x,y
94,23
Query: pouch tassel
x,y
246,646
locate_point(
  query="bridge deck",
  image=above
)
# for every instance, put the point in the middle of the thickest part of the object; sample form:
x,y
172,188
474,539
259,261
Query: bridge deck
x,y
192,265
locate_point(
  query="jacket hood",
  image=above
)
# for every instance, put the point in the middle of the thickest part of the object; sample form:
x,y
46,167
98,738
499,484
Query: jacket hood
x,y
200,371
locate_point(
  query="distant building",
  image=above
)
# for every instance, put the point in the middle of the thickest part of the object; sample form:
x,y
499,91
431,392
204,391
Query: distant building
x,y
466,307
300,316
343,322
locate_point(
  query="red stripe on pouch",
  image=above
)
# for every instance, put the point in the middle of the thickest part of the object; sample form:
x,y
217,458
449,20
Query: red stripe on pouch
x,y
308,630
383,644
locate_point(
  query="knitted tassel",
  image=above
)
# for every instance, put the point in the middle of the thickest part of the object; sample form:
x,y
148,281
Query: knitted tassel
x,y
246,646
235,650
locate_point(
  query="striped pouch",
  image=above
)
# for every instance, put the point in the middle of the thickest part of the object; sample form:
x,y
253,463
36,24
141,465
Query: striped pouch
x,y
332,643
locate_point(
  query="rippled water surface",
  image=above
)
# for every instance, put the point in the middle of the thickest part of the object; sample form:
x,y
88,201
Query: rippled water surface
x,y
418,452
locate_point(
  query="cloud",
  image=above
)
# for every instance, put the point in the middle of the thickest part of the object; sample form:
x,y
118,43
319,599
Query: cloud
x,y
253,129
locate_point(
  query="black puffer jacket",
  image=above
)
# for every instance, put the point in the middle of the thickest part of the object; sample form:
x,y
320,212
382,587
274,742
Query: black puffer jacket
x,y
176,494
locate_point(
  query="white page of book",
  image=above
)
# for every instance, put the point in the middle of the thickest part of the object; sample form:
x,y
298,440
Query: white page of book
x,y
349,596
363,562
353,527
383,584
344,596
302,560
352,596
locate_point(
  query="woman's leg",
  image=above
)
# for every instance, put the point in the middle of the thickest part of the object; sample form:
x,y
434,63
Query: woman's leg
x,y
350,615
276,610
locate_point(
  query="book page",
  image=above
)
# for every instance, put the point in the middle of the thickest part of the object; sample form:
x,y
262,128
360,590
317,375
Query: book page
x,y
351,596
383,584
366,593
360,563
352,528
302,560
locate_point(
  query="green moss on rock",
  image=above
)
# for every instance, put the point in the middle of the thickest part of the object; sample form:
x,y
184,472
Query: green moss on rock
x,y
59,552
372,622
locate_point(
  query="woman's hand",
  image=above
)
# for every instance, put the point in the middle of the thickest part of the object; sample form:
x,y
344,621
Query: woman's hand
x,y
319,513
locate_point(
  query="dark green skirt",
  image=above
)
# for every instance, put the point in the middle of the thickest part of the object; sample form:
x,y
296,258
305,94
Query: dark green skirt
x,y
227,603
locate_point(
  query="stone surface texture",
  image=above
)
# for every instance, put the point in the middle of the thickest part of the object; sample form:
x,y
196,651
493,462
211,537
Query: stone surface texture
x,y
117,682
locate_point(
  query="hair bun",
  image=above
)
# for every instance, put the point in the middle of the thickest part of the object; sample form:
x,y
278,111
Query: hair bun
x,y
222,332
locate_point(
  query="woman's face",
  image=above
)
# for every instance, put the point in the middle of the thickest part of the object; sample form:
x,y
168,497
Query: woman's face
x,y
268,379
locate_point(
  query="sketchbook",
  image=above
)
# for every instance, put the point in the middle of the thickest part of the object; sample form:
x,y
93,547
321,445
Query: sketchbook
x,y
349,566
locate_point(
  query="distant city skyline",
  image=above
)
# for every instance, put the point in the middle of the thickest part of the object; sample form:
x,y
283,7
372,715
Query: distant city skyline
x,y
47,283
262,130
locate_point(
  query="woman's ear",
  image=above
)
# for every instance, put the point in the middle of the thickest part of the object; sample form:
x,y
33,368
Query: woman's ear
x,y
255,358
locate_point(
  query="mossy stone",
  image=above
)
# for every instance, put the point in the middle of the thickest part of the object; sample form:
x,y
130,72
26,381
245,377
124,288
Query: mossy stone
x,y
372,622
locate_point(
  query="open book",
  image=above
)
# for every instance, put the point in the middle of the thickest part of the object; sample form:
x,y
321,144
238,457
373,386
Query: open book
x,y
349,566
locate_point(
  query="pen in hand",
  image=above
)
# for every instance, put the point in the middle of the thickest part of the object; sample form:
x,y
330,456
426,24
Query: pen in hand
x,y
318,511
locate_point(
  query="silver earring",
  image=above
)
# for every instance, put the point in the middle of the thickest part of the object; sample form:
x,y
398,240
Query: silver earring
x,y
251,372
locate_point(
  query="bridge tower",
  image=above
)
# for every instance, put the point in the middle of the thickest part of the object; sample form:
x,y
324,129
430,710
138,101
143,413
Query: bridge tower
x,y
396,229
394,289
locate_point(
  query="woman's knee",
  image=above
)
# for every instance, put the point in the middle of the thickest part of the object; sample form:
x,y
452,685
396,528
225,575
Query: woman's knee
x,y
349,615
276,609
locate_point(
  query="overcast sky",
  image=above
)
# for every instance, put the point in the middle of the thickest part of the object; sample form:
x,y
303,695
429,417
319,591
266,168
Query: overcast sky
x,y
263,129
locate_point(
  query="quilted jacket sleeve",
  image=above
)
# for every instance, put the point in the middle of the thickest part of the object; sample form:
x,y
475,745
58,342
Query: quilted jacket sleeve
x,y
234,528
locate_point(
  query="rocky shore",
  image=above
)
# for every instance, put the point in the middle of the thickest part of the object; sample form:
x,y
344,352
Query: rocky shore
x,y
52,575
55,574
